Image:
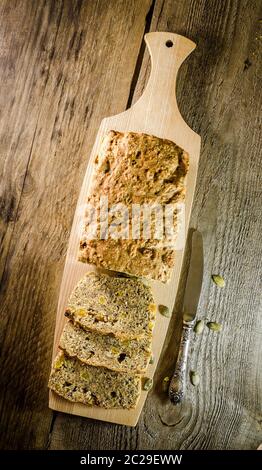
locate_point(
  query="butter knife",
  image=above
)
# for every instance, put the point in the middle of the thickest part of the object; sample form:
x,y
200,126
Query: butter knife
x,y
191,298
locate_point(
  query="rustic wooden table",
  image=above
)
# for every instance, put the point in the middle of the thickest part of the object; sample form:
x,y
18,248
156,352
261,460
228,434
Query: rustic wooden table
x,y
64,66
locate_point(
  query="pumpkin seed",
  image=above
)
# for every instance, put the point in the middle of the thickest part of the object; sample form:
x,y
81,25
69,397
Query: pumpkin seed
x,y
164,310
218,280
165,384
194,378
214,326
199,326
148,383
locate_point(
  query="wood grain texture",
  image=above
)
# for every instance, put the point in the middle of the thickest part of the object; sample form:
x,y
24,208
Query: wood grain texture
x,y
79,90
219,96
155,113
221,413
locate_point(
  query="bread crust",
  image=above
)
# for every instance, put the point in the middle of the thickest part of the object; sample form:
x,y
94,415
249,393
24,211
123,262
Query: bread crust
x,y
135,168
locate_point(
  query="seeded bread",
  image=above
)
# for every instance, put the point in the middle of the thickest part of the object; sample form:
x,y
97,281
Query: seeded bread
x,y
134,168
106,350
94,386
106,304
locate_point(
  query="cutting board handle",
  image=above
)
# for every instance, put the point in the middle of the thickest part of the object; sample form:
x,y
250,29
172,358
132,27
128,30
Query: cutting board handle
x,y
167,51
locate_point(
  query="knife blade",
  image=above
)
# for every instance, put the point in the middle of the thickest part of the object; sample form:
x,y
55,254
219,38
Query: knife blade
x,y
191,298
194,278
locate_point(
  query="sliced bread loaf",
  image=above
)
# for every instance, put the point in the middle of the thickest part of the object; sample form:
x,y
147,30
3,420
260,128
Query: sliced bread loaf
x,y
94,386
134,170
122,306
106,350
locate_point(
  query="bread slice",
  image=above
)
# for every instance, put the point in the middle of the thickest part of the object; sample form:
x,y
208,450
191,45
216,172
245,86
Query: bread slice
x,y
121,306
134,169
106,350
94,386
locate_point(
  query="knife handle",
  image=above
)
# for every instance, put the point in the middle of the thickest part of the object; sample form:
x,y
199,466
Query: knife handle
x,y
178,382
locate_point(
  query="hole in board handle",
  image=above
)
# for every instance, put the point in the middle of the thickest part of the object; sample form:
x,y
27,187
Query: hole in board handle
x,y
169,43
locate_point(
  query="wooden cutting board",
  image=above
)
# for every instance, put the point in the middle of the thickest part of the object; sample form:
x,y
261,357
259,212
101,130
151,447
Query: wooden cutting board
x,y
156,112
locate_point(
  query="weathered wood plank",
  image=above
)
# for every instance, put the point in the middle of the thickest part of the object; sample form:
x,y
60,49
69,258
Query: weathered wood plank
x,y
93,56
224,108
28,33
219,97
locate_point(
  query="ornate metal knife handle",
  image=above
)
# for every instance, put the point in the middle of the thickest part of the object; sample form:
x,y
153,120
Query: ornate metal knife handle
x,y
178,382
